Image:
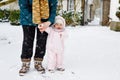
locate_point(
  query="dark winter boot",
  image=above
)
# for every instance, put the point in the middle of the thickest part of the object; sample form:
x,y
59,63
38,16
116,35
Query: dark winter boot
x,y
25,67
38,65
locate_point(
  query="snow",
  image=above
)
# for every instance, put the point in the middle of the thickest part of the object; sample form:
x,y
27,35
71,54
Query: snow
x,y
96,21
91,53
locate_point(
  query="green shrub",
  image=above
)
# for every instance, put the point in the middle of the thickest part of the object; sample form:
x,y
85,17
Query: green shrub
x,y
7,13
2,15
68,17
118,14
14,17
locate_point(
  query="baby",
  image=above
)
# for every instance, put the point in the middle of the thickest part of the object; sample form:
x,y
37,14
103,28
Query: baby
x,y
55,44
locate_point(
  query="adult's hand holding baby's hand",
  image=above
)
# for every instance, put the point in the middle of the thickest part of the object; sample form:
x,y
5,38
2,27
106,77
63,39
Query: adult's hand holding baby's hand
x,y
40,27
43,26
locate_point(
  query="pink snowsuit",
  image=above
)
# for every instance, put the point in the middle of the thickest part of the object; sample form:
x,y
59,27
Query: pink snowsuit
x,y
55,47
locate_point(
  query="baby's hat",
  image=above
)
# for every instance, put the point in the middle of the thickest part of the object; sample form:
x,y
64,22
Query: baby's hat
x,y
60,20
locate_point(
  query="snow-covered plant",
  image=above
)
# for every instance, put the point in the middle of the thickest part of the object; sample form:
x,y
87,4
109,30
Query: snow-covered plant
x,y
72,18
4,14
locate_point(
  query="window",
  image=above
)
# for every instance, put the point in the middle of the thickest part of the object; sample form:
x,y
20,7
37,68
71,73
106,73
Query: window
x,y
70,5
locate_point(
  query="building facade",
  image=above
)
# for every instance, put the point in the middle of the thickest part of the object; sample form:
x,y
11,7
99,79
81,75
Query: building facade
x,y
104,10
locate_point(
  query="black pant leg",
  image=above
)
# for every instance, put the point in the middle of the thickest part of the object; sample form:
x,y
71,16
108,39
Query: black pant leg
x,y
40,44
28,40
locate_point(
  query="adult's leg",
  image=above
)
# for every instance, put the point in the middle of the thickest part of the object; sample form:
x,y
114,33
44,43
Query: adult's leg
x,y
27,48
40,50
28,40
40,45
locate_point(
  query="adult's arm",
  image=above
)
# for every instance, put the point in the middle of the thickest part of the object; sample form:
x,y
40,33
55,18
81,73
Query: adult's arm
x,y
53,8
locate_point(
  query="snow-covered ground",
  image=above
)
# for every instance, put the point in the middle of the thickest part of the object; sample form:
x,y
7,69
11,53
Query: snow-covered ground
x,y
92,53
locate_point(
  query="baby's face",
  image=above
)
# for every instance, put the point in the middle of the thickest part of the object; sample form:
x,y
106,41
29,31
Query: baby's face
x,y
58,26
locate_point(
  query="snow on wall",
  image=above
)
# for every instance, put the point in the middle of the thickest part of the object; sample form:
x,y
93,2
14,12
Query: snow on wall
x,y
11,6
113,8
65,5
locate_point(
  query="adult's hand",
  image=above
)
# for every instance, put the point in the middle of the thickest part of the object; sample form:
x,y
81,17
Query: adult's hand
x,y
43,26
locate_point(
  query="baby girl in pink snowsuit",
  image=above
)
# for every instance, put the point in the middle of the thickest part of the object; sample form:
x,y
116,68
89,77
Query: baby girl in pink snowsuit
x,y
55,44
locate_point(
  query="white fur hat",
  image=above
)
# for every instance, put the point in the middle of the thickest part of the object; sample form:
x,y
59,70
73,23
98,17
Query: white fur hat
x,y
61,20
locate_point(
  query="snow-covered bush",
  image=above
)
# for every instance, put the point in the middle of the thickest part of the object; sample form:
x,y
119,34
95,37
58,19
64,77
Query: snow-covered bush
x,y
72,18
4,15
